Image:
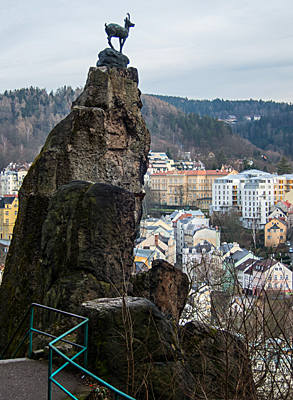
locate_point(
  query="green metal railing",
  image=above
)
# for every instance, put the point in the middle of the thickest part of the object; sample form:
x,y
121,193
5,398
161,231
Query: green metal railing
x,y
82,349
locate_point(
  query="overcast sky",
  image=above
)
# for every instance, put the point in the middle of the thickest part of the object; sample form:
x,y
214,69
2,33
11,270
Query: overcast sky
x,y
238,49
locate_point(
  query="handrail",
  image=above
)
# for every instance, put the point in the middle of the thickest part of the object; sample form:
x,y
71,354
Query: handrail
x,y
83,350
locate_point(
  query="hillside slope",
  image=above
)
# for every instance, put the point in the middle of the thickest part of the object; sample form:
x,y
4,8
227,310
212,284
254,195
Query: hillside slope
x,y
180,132
274,131
28,115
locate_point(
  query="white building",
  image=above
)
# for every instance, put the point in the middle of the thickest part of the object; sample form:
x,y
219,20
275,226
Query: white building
x,y
12,177
257,275
159,162
251,193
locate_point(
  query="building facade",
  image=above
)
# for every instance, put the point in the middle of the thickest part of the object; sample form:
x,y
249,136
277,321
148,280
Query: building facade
x,y
12,177
275,232
251,193
183,188
8,215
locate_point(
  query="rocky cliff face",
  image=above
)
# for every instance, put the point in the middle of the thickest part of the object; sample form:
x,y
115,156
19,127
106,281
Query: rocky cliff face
x,y
80,203
134,347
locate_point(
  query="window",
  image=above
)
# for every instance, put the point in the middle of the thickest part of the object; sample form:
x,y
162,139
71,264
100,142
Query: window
x,y
6,212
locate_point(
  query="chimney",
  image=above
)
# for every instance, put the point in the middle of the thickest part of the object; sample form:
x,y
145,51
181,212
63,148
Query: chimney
x,y
156,240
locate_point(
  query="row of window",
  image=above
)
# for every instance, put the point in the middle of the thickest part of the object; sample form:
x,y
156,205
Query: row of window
x,y
179,180
280,277
276,286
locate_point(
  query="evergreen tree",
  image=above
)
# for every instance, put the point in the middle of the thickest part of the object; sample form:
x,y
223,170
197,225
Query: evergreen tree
x,y
283,167
168,153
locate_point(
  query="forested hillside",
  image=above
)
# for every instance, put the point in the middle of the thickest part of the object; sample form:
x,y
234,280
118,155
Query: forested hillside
x,y
28,115
26,118
274,131
172,128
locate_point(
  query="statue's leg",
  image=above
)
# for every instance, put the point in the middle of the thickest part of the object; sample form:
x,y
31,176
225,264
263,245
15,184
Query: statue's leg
x,y
110,44
122,41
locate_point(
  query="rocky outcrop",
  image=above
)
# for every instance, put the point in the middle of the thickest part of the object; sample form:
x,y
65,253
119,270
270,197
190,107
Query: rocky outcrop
x,y
87,243
166,286
113,58
67,245
136,349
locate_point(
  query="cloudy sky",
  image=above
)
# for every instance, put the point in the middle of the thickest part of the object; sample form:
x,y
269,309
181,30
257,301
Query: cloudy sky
x,y
238,49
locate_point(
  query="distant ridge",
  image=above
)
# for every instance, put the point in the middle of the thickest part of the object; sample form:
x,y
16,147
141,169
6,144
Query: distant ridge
x,y
27,115
274,130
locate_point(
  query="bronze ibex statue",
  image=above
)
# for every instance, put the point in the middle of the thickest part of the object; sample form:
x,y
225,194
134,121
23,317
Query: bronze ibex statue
x,y
115,30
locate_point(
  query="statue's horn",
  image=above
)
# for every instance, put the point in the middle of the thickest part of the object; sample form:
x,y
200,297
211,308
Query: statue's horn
x,y
128,16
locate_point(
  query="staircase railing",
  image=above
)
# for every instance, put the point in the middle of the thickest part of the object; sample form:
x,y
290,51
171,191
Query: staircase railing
x,y
82,349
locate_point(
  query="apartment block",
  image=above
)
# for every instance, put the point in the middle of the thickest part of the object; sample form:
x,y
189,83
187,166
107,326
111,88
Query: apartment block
x,y
252,193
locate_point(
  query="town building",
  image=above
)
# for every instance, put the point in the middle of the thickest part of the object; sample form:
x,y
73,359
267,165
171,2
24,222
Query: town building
x,y
275,232
12,177
166,247
254,276
251,193
159,161
202,264
185,188
157,239
8,215
287,209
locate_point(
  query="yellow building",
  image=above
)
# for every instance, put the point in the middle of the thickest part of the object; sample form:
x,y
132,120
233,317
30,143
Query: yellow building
x,y
8,214
185,187
275,232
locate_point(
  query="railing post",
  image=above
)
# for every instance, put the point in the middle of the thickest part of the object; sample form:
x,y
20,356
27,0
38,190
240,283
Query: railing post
x,y
86,328
50,362
31,332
